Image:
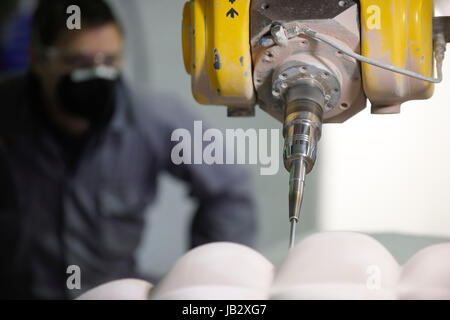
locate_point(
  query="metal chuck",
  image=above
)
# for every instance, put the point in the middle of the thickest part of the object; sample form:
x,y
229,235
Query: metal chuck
x,y
302,132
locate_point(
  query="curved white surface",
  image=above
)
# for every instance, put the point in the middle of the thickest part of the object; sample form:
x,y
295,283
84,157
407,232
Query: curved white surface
x,y
212,292
218,271
331,265
125,289
427,274
337,265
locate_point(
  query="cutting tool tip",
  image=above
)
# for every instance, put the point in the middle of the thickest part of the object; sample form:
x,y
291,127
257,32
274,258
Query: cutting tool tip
x,y
292,235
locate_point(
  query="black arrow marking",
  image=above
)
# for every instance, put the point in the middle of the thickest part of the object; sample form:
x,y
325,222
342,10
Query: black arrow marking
x,y
232,13
232,1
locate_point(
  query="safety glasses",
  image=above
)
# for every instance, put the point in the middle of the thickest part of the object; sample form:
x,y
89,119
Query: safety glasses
x,y
76,60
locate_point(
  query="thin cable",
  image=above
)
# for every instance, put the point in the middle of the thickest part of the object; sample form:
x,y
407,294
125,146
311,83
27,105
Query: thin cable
x,y
440,50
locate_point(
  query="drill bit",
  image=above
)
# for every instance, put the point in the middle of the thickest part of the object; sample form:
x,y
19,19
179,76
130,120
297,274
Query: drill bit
x,y
296,188
292,235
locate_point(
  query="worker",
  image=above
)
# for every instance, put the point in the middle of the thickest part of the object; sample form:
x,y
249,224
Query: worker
x,y
80,156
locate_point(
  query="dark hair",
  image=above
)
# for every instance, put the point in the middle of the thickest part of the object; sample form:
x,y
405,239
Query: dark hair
x,y
50,18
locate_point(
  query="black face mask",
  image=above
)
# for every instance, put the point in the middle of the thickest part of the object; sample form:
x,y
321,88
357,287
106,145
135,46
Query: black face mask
x,y
90,96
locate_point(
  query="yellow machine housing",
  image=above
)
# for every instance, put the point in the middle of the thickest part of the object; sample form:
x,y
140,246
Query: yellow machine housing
x,y
399,33
217,51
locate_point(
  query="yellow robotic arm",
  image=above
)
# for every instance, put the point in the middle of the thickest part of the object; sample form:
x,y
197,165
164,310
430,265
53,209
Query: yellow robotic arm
x,y
309,62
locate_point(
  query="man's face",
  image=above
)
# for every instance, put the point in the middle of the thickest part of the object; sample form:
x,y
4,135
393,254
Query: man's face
x,y
84,48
